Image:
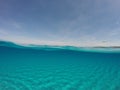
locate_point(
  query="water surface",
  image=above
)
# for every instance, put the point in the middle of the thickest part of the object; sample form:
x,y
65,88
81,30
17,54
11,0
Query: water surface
x,y
58,68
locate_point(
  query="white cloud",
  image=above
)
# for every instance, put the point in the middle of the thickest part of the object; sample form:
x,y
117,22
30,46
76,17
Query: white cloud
x,y
74,31
3,32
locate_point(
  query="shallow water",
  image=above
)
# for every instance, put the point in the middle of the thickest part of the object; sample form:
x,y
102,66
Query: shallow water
x,y
59,69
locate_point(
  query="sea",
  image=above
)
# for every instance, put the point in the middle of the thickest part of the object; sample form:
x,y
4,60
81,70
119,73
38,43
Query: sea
x,y
46,67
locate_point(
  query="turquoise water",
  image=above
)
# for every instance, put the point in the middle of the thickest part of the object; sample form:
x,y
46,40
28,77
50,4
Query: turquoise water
x,y
58,68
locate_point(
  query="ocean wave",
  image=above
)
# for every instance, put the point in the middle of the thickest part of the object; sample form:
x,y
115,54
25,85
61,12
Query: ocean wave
x,y
56,47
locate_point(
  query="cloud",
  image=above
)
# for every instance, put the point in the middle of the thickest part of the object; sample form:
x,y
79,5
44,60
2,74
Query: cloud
x,y
3,32
86,23
16,25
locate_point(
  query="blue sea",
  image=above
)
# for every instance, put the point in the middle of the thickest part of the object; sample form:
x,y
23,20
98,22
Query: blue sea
x,y
58,67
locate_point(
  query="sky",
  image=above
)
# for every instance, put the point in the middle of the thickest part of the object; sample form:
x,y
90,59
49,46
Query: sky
x,y
61,22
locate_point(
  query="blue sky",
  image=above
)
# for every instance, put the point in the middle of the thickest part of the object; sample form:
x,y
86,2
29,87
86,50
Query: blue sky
x,y
61,22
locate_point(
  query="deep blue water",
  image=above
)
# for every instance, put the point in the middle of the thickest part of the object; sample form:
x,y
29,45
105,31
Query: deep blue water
x,y
48,68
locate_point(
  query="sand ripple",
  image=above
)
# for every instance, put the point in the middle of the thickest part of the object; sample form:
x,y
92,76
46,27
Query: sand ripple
x,y
64,77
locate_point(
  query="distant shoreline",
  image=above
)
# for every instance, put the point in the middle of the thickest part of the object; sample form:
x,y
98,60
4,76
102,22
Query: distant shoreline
x,y
106,47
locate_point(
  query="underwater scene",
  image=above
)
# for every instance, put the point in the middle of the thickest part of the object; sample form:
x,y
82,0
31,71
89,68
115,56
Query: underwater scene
x,y
58,68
